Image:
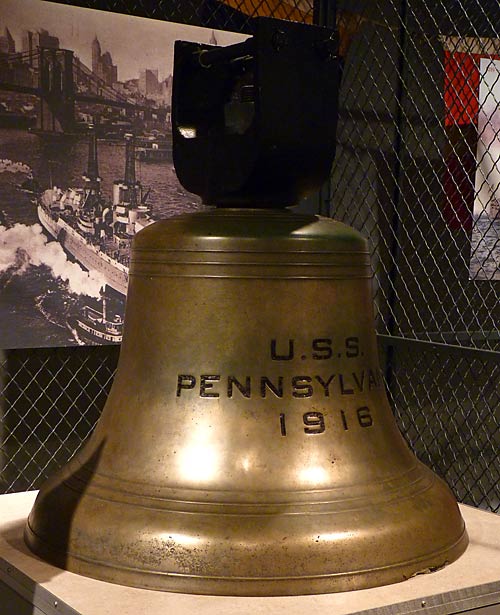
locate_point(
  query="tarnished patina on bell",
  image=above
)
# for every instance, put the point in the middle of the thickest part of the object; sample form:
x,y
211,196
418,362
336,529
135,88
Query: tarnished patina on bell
x,y
247,446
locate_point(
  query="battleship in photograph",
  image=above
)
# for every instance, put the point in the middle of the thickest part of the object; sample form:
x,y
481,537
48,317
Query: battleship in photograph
x,y
95,232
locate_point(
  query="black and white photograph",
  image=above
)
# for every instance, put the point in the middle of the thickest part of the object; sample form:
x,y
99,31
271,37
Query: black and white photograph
x,y
85,163
485,243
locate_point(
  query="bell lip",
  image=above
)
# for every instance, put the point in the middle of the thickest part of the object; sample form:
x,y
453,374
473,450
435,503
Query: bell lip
x,y
248,586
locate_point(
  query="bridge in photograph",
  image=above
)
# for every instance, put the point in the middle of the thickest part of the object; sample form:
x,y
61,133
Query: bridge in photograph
x,y
60,80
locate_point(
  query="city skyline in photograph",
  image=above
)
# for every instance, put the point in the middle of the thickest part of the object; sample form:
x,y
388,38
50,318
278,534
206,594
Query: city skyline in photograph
x,y
146,44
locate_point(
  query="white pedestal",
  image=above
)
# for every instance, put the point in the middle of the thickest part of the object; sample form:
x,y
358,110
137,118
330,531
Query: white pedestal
x,y
30,586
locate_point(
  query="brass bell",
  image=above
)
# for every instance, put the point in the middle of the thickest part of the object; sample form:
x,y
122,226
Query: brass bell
x,y
247,446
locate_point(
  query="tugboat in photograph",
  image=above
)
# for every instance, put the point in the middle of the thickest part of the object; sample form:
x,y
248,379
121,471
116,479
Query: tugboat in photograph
x,y
95,325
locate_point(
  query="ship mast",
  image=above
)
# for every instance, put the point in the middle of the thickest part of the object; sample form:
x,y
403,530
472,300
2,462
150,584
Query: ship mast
x,y
130,180
91,177
92,165
89,219
127,194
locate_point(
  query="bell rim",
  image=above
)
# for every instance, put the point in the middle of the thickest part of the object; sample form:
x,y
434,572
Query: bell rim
x,y
247,586
153,555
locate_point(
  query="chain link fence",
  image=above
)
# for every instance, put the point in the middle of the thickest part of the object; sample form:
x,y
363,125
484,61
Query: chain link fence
x,y
415,171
